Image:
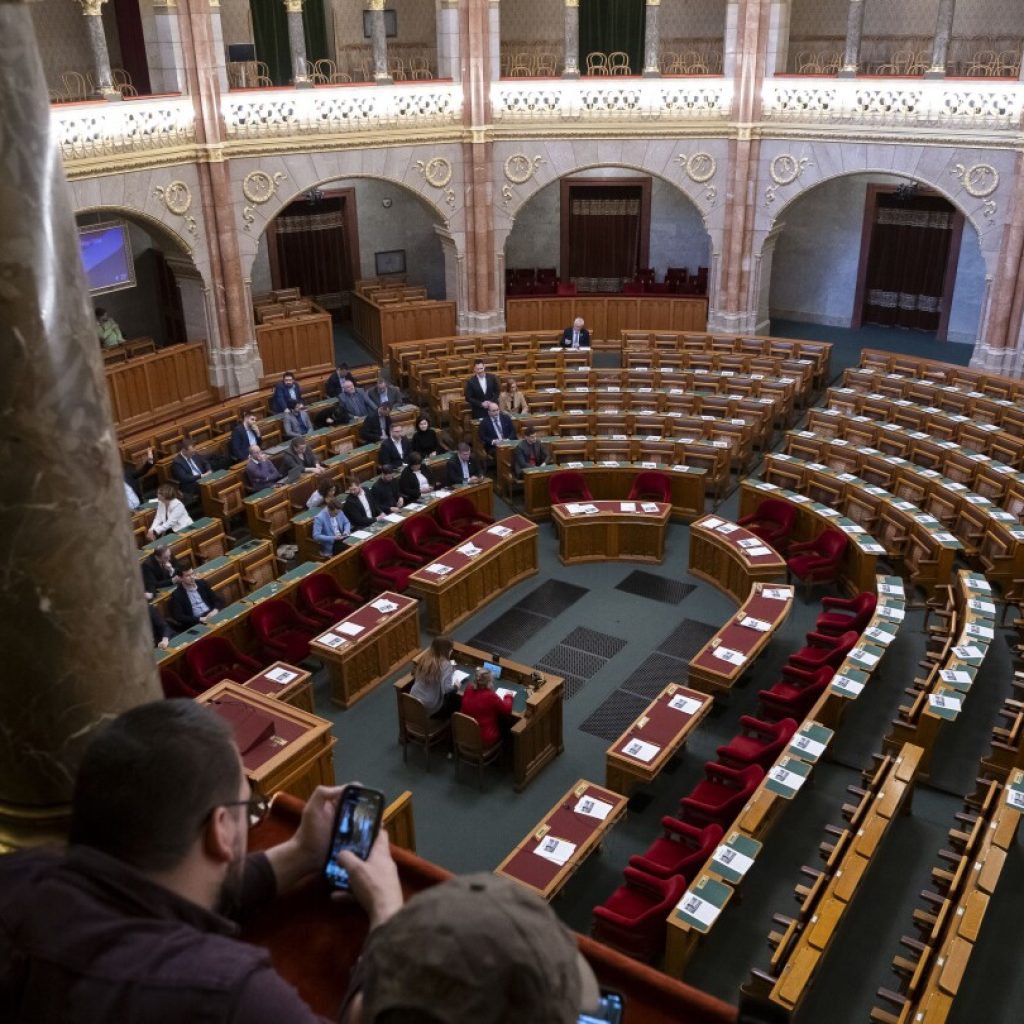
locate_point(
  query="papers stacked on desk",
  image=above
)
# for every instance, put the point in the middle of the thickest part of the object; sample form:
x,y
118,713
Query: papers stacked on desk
x,y
281,675
982,632
349,628
442,493
627,506
385,606
985,607
701,910
469,550
750,542
862,657
777,593
952,675
504,691
393,517
759,624
895,614
688,705
360,534
593,808
439,569
558,851
330,640
459,677
649,506
967,651
759,551
847,685
642,751
726,528
609,462
576,509
787,779
943,703
500,531
729,655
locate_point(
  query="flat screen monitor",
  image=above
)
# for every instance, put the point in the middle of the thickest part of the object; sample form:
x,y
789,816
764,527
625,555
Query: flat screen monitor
x,y
107,257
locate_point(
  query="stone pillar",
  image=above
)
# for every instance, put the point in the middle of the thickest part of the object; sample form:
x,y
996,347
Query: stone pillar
x,y
729,38
297,44
761,282
217,46
448,62
943,35
93,11
854,31
494,35
166,64
571,64
74,630
651,68
778,37
380,43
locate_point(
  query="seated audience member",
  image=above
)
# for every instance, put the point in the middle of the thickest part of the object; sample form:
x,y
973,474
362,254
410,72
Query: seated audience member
x,y
434,684
576,336
171,515
512,400
287,392
333,385
296,421
462,467
188,468
414,482
351,405
330,528
260,469
161,631
192,601
360,508
299,455
127,922
107,330
424,440
325,490
385,491
493,713
243,436
529,452
132,476
376,426
481,387
383,393
394,448
160,570
495,426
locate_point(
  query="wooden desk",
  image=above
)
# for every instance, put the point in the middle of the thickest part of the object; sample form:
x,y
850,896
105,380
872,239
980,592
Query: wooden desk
x,y
287,683
721,553
665,725
475,579
628,531
362,649
544,877
296,758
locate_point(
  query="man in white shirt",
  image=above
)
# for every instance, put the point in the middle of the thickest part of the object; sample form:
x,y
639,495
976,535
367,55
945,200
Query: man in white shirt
x,y
359,508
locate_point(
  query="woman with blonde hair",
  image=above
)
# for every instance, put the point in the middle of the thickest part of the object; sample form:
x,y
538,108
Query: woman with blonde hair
x,y
170,513
434,685
512,400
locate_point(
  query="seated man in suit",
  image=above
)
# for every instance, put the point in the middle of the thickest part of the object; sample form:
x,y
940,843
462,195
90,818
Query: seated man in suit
x,y
360,508
529,452
260,469
330,528
480,388
192,601
296,421
385,492
495,426
376,426
132,477
333,384
351,405
462,467
576,336
159,571
394,448
298,455
383,393
161,630
243,436
188,468
286,393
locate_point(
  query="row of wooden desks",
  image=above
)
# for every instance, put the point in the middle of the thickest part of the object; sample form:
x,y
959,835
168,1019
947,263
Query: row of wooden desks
x,y
599,531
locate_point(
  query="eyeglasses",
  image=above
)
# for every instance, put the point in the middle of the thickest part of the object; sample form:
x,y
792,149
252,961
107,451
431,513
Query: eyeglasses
x,y
257,807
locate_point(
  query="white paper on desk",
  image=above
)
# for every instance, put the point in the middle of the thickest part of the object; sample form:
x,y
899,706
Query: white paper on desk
x,y
777,593
862,657
503,692
644,390
944,703
349,628
281,675
649,465
360,534
575,412
574,465
890,588
783,456
442,493
640,750
459,677
703,911
758,624
977,583
812,748
439,569
968,651
558,851
627,506
469,550
759,552
687,705
880,636
732,859
893,614
729,655
784,777
799,499
727,528
1015,798
574,508
750,542
593,808
649,506
872,548
982,632
847,685
952,675
393,517
985,607
331,640
499,531
652,437
829,513
384,606
712,523
609,462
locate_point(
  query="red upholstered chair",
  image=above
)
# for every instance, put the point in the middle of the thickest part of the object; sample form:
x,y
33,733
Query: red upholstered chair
x,y
458,515
388,565
823,650
568,485
818,560
843,614
680,851
757,742
719,797
566,288
212,658
175,685
283,632
794,694
632,919
773,522
651,486
421,537
325,601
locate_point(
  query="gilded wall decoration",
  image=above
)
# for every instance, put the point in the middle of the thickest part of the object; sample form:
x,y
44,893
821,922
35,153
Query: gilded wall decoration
x,y
437,171
700,168
259,188
177,197
784,170
979,180
519,169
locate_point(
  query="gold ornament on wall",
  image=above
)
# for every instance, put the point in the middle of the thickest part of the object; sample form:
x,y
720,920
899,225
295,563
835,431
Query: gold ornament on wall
x,y
437,171
177,197
699,168
784,170
979,180
519,168
259,188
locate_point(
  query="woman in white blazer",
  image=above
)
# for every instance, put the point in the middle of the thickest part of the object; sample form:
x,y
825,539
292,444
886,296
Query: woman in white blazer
x,y
171,514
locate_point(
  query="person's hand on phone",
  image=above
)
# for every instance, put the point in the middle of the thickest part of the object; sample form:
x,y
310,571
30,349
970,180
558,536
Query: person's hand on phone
x,y
303,854
374,881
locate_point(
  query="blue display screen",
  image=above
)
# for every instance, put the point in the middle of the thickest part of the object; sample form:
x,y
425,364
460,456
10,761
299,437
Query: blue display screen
x,y
106,257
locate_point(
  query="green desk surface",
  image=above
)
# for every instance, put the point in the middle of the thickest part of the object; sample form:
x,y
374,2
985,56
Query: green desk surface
x,y
810,741
691,908
734,857
232,611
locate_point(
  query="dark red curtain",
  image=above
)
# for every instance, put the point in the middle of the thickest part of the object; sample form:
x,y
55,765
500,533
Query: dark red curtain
x,y
907,262
133,44
312,251
604,236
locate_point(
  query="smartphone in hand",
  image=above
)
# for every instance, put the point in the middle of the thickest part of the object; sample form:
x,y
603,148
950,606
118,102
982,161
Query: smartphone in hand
x,y
356,824
609,1011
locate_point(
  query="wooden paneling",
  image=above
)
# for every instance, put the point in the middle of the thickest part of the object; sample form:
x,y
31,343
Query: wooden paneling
x,y
300,342
377,326
607,316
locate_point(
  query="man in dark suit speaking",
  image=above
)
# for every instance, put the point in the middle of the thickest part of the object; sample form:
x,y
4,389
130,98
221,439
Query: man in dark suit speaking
x,y
576,336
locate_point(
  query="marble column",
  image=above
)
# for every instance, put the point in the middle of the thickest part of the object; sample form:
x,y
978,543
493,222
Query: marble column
x,y
166,65
448,56
778,38
571,64
380,43
93,11
218,52
943,35
651,39
297,44
854,32
74,630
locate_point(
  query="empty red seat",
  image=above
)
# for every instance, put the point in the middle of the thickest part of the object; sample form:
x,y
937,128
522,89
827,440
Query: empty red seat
x,y
422,537
459,515
325,600
822,649
757,742
651,486
175,685
794,694
843,614
632,919
283,632
719,797
568,485
818,560
681,850
212,658
388,565
774,522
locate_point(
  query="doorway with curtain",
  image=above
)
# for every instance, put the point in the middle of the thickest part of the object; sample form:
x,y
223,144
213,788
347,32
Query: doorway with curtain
x,y
313,245
612,26
605,231
910,247
270,34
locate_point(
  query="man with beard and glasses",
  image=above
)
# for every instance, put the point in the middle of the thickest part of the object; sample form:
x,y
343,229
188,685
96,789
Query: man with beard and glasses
x,y
129,923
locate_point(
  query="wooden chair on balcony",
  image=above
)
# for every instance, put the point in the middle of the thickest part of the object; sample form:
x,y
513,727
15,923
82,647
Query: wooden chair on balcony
x,y
545,65
597,63
618,63
419,69
75,86
522,66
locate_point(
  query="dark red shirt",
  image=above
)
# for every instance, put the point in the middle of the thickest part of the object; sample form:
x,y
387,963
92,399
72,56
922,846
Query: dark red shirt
x,y
486,707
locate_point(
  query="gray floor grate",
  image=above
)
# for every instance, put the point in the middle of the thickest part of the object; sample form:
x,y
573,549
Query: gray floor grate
x,y
657,588
611,718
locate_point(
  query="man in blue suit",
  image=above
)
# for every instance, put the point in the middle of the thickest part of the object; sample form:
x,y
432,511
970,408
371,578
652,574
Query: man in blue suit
x,y
286,393
330,528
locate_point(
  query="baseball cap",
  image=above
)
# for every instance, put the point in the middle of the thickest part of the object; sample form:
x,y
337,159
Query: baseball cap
x,y
477,949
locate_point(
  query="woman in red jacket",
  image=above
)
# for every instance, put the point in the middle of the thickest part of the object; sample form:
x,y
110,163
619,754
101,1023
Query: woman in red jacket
x,y
494,713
